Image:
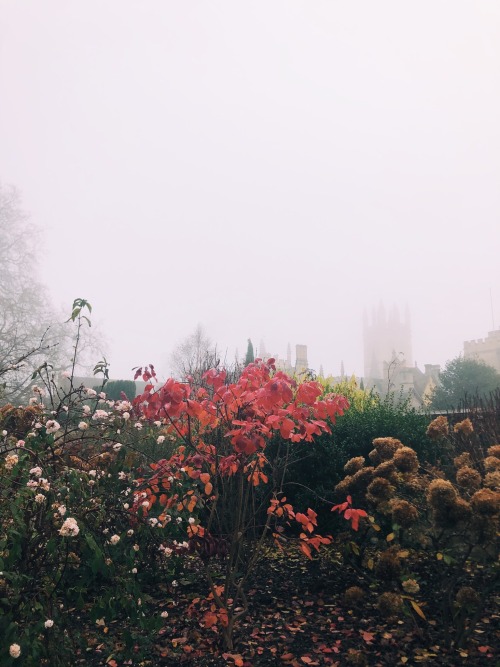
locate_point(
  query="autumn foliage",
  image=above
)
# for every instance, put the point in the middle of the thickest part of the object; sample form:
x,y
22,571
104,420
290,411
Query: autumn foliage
x,y
220,478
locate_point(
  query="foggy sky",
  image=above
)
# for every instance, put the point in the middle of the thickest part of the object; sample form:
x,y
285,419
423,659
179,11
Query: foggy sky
x,y
267,168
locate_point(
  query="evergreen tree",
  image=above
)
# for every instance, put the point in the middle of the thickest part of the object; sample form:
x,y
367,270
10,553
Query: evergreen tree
x,y
249,356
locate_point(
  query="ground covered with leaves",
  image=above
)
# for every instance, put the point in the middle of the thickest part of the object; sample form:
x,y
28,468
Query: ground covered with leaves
x,y
297,616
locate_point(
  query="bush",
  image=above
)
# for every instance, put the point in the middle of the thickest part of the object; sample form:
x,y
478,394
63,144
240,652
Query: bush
x,y
115,388
428,524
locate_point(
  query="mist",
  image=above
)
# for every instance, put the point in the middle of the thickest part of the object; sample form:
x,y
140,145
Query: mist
x,y
269,170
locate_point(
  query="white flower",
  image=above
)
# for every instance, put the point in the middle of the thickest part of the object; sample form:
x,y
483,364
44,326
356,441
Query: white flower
x,y
33,401
145,503
160,439
168,552
191,520
164,614
11,460
32,484
38,425
66,374
15,650
52,426
126,506
38,390
179,519
122,475
83,426
92,473
135,547
168,518
39,498
114,539
175,583
102,395
100,414
37,471
20,443
117,447
44,484
134,570
4,433
130,532
126,416
69,528
153,521
138,425
62,510
157,423
86,409
49,623
90,392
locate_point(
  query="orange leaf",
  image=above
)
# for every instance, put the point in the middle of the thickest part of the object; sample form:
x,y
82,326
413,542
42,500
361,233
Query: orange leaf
x,y
208,488
418,609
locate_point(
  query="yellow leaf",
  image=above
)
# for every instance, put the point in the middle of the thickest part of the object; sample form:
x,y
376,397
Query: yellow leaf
x,y
418,609
404,660
390,537
370,563
439,556
375,527
403,554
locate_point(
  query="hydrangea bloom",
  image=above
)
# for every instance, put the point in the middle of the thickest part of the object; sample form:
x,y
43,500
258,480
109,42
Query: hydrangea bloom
x,y
69,528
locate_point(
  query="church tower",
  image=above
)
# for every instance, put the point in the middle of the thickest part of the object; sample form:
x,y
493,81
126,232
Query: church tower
x,y
386,337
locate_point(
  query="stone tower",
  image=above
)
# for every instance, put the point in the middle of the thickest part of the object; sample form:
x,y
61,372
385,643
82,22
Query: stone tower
x,y
301,363
386,337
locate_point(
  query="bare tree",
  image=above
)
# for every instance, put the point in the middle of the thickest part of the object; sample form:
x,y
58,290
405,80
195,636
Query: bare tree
x,y
194,356
31,332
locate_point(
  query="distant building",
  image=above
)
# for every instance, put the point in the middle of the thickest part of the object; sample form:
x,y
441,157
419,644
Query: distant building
x,y
285,364
485,349
387,340
388,362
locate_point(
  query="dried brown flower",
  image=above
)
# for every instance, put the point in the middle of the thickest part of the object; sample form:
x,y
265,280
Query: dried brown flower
x,y
464,427
361,479
449,515
468,478
438,428
386,447
404,513
343,487
353,596
441,493
353,465
492,463
463,460
492,480
388,566
387,469
380,489
406,460
486,502
374,457
389,604
494,450
467,597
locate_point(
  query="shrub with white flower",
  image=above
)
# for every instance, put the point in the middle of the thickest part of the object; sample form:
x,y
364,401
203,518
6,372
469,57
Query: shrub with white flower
x,y
52,426
11,460
36,471
69,528
117,447
15,650
160,439
49,623
114,539
83,426
39,498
